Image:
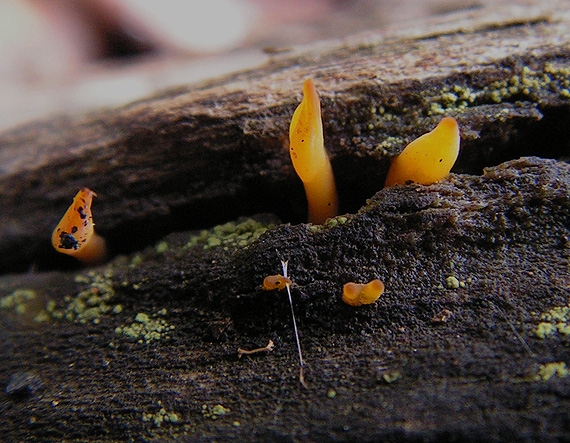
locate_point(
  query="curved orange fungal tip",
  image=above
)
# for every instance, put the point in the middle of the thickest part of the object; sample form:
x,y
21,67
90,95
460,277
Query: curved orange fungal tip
x,y
272,282
309,157
75,236
429,158
356,294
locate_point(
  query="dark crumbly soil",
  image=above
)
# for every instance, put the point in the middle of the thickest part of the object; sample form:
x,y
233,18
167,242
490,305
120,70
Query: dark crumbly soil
x,y
431,360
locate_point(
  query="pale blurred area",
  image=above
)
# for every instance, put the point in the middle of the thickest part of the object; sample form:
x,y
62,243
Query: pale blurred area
x,y
76,55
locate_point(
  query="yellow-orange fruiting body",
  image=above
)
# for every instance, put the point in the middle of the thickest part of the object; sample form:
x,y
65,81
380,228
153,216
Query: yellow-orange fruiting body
x,y
309,157
429,158
75,236
272,282
357,294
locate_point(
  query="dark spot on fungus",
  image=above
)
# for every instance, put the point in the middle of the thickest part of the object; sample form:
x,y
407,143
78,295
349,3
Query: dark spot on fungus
x,y
272,282
67,241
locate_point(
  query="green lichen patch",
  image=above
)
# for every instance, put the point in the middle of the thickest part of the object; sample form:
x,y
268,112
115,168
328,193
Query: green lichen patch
x,y
336,221
527,82
556,320
91,303
236,234
452,282
161,247
147,328
214,412
549,370
389,142
161,416
26,303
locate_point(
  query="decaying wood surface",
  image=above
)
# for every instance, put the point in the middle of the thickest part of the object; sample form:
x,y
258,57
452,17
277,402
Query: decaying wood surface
x,y
194,156
468,343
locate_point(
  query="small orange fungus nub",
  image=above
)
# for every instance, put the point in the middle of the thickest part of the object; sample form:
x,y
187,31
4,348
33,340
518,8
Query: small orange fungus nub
x,y
357,294
75,236
429,158
309,157
272,282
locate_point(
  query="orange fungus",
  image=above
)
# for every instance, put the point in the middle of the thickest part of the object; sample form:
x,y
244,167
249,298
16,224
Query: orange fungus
x,y
429,158
278,281
356,294
309,157
75,236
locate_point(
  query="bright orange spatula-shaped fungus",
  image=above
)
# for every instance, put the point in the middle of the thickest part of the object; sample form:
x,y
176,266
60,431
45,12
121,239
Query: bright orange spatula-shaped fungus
x,y
75,236
429,158
310,158
357,294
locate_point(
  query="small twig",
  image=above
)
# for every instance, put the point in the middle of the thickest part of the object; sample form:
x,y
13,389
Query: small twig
x,y
267,348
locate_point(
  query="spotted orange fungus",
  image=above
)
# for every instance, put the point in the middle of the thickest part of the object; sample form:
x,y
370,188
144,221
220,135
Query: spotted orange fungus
x,y
429,158
357,294
309,157
75,236
272,282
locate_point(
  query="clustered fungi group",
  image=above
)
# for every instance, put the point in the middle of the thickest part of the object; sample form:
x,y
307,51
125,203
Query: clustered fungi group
x,y
425,160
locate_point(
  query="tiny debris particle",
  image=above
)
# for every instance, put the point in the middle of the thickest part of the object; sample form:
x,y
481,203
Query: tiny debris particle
x,y
22,383
391,376
268,348
442,316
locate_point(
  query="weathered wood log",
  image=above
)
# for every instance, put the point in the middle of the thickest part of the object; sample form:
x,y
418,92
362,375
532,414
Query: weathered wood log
x,y
195,156
469,341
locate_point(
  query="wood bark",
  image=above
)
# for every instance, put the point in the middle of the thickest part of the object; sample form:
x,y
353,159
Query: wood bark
x,y
469,340
194,156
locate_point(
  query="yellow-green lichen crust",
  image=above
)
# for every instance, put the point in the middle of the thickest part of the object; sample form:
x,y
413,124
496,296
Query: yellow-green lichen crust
x,y
91,303
161,416
549,370
555,321
526,83
18,300
147,328
229,235
214,412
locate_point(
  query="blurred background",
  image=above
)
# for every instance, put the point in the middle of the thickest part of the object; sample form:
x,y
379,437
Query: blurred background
x,y
73,55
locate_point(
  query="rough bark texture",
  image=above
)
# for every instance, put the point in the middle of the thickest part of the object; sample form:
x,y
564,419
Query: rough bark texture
x,y
193,157
434,359
470,340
